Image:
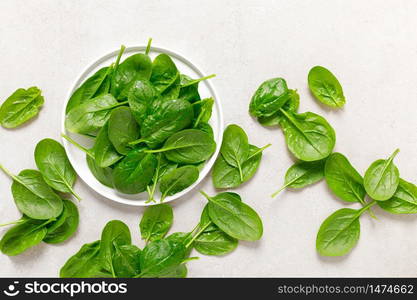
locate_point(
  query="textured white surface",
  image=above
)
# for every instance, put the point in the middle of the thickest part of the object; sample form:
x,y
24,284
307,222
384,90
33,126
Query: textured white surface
x,y
371,46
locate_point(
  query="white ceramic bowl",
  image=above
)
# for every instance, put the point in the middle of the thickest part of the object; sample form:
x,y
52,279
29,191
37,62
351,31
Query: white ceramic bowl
x,y
77,157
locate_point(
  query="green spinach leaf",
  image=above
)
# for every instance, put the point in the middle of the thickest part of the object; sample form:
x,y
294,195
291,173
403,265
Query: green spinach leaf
x,y
309,137
156,222
325,87
404,200
164,72
53,163
343,180
269,98
177,180
382,178
20,107
122,129
126,261
105,153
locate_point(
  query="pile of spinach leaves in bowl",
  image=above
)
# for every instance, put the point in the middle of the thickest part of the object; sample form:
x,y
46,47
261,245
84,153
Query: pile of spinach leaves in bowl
x,y
149,124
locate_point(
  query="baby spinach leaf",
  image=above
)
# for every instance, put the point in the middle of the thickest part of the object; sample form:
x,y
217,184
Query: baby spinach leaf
x,y
202,111
137,66
53,163
90,116
235,147
215,243
122,129
234,217
89,88
163,166
20,107
309,137
404,200
86,263
290,106
65,226
382,178
141,97
173,91
164,72
190,146
226,176
114,234
23,236
156,222
190,92
339,233
134,172
33,196
105,153
343,180
103,175
301,174
161,257
325,87
269,98
177,180
171,117
206,127
126,261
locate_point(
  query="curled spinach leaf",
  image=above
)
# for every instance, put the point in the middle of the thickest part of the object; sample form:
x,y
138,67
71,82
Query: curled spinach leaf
x,y
20,107
290,106
269,98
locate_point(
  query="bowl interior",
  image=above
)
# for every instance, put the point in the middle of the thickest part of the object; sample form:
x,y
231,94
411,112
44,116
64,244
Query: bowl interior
x,y
77,157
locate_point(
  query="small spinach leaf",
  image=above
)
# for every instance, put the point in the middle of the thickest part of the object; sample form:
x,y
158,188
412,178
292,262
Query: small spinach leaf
x,y
53,163
190,146
105,153
382,178
33,196
164,72
269,98
235,147
103,175
303,173
141,97
325,87
290,106
156,222
65,226
404,200
122,129
177,180
309,137
20,107
134,172
343,180
234,217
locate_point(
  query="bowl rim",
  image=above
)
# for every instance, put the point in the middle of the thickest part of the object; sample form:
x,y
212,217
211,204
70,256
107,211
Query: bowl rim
x,y
218,104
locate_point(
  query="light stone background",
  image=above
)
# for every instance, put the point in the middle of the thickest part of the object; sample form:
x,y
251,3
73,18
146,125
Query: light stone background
x,y
371,46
